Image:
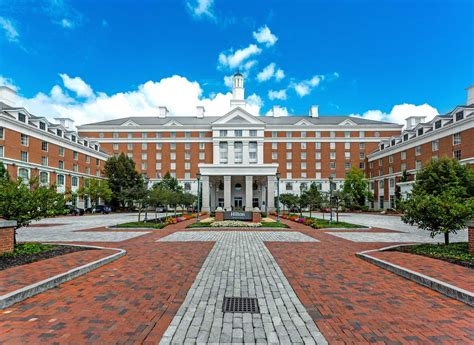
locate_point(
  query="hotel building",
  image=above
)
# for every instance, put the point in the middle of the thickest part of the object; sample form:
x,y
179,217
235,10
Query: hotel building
x,y
237,153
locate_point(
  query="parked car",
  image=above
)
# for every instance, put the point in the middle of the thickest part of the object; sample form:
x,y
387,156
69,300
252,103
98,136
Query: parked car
x,y
295,210
161,209
75,211
99,209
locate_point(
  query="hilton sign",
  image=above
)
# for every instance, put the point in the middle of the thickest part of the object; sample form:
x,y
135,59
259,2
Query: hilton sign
x,y
237,215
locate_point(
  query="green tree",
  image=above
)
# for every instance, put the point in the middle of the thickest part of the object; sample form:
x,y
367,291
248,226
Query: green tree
x,y
442,199
355,186
338,198
170,183
312,198
289,200
187,200
123,180
96,189
3,172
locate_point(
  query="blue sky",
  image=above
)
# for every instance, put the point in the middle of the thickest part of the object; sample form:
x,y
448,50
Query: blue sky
x,y
94,60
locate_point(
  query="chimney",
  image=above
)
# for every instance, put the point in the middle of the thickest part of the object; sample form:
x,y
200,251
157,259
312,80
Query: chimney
x,y
412,121
162,111
200,111
276,111
470,95
8,96
313,111
65,122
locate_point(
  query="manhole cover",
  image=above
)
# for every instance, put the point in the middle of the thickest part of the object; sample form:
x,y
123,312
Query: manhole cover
x,y
240,305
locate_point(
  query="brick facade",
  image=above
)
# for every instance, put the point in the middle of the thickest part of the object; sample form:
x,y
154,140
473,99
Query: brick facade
x,y
470,234
7,236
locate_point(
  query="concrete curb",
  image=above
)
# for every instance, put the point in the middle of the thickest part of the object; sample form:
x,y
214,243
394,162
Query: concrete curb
x,y
49,283
427,281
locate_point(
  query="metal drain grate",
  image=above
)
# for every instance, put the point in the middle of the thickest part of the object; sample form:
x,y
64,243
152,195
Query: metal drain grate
x,y
240,305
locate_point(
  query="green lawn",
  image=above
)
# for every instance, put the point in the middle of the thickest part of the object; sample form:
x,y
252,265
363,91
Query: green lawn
x,y
274,225
150,225
453,252
29,248
322,224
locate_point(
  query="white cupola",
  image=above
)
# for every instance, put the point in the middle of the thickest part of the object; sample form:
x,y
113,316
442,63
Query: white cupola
x,y
238,91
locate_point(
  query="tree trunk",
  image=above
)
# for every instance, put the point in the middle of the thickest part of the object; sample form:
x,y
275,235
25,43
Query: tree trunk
x,y
310,212
139,213
446,238
337,215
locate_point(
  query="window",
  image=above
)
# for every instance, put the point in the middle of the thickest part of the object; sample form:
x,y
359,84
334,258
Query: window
x,y
381,184
173,156
116,147
172,134
86,144
274,155
318,165
187,155
303,174
347,146
457,154
202,134
289,155
75,167
303,165
420,131
332,165
332,134
1,152
418,165
288,146
201,156
392,183
274,146
44,146
405,137
403,166
332,155
223,133
88,159
418,150
380,162
303,146
24,140
22,117
288,134
44,177
438,124
289,166
75,155
274,134
361,155
289,186
187,146
347,155
42,126
332,146
187,186
318,155
347,134
24,156
303,134
24,174
318,175
362,134
347,165
223,152
318,145
173,146
361,165
60,180
159,146
144,146
377,134
459,115
317,134
88,170
238,157
144,156
202,146
2,133
187,165
435,145
173,166
75,181
61,164
97,161
130,147
392,201
158,166
253,133
390,159
145,166
144,135
403,155
187,135
456,138
61,151
252,152
59,133
44,160
303,155
130,135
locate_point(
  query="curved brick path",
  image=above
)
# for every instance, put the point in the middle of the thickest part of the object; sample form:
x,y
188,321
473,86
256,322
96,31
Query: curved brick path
x,y
135,298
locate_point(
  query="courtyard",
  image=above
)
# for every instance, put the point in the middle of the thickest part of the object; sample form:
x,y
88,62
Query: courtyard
x,y
170,286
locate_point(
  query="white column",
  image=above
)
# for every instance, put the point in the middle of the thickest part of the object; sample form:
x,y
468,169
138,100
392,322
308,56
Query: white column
x,y
230,152
271,193
248,193
245,153
227,192
260,152
216,156
205,193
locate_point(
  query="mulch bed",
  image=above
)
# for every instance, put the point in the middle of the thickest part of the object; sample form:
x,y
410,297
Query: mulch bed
x,y
18,260
406,249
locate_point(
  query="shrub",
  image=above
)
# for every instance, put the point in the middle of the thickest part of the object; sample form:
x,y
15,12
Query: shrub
x,y
309,221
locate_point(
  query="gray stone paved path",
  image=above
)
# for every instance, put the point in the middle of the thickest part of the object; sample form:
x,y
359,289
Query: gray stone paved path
x,y
240,265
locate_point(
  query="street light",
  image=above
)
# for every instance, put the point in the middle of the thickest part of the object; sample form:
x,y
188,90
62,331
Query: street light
x,y
330,197
147,179
301,194
278,196
198,176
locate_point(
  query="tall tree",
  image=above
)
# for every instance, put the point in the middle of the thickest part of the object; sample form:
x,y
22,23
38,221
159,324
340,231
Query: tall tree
x,y
355,185
442,199
312,198
123,180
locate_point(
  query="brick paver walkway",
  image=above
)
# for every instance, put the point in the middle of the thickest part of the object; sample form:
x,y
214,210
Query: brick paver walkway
x,y
460,276
135,298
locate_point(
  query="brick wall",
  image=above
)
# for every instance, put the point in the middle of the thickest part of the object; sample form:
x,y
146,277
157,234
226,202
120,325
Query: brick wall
x,y
7,236
470,234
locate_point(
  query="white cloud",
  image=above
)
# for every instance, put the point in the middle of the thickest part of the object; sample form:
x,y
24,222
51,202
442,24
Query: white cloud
x,y
265,36
266,73
228,80
237,58
8,82
249,64
400,112
277,94
282,111
279,74
202,8
178,94
67,24
77,85
11,32
305,87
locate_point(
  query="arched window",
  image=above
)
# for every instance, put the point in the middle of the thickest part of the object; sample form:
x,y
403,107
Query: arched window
x,y
60,180
75,181
44,177
24,174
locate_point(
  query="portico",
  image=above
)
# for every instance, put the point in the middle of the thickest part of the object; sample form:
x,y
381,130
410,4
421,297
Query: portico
x,y
238,187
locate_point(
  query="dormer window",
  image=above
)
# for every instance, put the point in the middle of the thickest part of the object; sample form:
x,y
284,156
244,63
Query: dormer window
x,y
42,126
96,147
420,131
382,146
73,138
393,142
86,144
22,117
438,124
405,137
459,115
59,133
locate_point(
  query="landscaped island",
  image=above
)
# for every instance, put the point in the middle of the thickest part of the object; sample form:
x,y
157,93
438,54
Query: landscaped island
x,y
318,223
212,223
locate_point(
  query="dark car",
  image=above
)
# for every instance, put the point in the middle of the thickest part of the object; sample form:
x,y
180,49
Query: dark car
x,y
101,209
75,211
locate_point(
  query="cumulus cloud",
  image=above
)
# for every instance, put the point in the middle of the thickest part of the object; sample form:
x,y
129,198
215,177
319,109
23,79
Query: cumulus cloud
x,y
269,72
400,112
277,94
177,93
4,81
282,111
77,85
279,74
66,23
265,36
305,87
202,8
11,32
235,59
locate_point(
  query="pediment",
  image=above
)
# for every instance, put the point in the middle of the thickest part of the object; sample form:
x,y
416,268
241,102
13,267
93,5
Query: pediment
x,y
347,122
303,122
172,123
129,123
238,116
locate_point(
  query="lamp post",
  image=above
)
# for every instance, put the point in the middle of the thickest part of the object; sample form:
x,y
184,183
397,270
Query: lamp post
x,y
147,179
330,198
278,196
301,194
198,220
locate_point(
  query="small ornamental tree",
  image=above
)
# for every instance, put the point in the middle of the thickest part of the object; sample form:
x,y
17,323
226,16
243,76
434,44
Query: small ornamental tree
x,y
442,199
355,186
312,198
289,200
96,189
338,198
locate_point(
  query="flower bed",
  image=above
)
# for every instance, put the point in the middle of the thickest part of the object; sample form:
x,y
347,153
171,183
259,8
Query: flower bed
x,y
235,224
317,223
